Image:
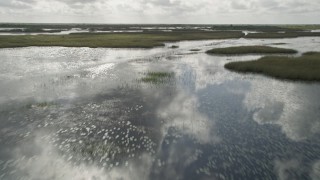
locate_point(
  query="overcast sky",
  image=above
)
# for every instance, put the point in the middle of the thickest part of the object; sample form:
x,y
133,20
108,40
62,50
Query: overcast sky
x,y
162,11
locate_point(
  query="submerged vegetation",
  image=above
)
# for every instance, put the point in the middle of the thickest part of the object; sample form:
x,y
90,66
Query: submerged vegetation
x,y
250,50
157,77
305,67
112,40
174,46
40,105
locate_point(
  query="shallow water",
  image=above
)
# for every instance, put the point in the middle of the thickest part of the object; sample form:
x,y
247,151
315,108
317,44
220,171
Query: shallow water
x,y
82,113
115,29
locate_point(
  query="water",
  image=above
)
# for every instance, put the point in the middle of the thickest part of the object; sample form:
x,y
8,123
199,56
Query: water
x,y
81,113
129,29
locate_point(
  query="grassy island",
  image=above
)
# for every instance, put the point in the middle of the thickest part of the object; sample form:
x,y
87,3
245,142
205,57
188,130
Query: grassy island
x,y
275,35
238,50
112,40
305,67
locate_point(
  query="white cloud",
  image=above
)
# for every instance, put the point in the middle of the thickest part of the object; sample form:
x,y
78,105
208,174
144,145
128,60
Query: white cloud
x,y
161,11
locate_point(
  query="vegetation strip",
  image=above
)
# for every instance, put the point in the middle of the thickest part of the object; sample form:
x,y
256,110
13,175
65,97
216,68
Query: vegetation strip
x,y
301,26
305,67
157,77
250,50
282,35
195,50
112,40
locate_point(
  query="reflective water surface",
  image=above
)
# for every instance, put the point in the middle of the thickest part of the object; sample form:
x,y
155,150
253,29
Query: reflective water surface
x,y
81,113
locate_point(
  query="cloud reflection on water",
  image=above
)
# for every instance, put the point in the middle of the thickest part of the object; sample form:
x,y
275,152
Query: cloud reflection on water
x,y
198,126
293,106
182,113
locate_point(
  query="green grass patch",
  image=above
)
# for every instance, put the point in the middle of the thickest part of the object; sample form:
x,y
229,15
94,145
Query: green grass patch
x,y
279,43
174,46
157,77
195,50
40,105
311,53
302,26
261,28
305,67
281,35
250,50
112,40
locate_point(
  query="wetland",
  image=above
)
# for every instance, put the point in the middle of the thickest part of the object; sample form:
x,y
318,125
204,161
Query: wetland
x,y
159,112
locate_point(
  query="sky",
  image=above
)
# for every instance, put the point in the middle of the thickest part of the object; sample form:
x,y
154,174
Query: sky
x,y
162,11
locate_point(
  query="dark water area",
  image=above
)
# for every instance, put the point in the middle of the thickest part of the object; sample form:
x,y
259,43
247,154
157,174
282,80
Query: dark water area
x,y
81,113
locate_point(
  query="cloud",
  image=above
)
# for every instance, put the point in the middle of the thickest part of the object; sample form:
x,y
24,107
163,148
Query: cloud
x,y
239,5
17,4
161,11
78,1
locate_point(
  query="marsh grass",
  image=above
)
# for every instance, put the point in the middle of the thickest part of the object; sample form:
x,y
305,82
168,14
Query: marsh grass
x,y
271,35
111,40
195,50
157,77
301,27
174,46
311,53
304,68
278,43
40,105
250,50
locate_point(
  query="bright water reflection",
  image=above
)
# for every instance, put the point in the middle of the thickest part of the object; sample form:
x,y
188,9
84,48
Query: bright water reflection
x,y
81,113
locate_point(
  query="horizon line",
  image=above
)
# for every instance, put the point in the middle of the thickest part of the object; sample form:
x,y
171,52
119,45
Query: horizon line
x,y
160,23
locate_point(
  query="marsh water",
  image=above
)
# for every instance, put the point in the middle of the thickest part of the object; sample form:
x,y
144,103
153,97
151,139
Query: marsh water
x,y
82,113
